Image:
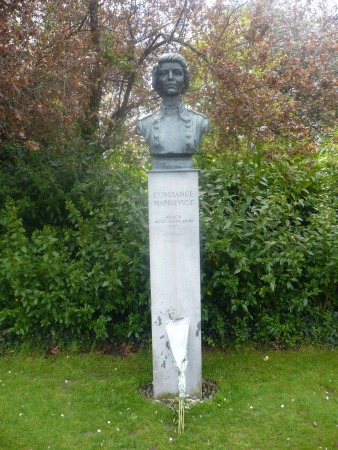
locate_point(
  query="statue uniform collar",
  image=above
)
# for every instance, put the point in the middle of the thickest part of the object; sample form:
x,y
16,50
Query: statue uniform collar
x,y
182,112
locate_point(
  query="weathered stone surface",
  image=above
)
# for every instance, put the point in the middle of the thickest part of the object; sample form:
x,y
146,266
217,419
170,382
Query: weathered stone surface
x,y
175,274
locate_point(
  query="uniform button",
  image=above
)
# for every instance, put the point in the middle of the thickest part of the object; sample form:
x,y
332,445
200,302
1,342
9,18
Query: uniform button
x,y
188,136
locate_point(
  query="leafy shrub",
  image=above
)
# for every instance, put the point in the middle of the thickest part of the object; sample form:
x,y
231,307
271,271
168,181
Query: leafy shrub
x,y
270,249
269,240
87,277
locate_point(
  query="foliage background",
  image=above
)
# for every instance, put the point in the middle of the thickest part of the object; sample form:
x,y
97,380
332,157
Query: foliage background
x,y
73,201
269,239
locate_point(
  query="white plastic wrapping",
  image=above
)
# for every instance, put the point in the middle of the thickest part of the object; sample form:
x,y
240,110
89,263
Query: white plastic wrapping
x,y
178,332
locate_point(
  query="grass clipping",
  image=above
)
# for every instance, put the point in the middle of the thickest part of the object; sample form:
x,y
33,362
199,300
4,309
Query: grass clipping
x,y
178,331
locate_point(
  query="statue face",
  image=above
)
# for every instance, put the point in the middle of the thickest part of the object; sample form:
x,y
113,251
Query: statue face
x,y
170,79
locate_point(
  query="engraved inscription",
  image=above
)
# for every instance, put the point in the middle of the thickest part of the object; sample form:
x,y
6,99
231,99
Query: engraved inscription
x,y
174,207
173,198
174,221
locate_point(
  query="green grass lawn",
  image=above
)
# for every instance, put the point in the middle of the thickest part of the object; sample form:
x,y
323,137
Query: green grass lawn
x,y
91,401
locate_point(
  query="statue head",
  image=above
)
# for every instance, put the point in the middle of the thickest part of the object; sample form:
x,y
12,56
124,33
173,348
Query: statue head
x,y
171,58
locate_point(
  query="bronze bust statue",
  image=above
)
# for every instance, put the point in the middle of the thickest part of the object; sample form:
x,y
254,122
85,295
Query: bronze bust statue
x,y
174,131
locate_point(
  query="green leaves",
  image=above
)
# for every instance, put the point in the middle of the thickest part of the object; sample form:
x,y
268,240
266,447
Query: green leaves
x,y
271,246
269,240
83,279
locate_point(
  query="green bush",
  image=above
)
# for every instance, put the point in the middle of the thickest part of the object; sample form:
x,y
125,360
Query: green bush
x,y
269,240
270,249
87,277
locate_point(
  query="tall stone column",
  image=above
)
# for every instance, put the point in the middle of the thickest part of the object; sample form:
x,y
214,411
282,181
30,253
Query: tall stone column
x,y
175,274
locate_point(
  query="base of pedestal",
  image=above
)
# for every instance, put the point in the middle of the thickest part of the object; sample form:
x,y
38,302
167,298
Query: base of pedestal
x,y
172,163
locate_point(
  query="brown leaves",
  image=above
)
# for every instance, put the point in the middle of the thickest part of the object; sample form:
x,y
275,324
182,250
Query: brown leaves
x,y
40,72
271,71
32,145
55,350
79,64
261,72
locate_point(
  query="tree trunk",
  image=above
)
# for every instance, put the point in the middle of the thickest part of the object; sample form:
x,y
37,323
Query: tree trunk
x,y
96,80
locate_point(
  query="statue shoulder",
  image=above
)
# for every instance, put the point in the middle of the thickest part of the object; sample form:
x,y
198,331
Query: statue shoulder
x,y
146,116
193,111
144,122
200,119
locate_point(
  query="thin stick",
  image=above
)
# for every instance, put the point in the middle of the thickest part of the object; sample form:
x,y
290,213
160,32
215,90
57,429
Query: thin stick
x,y
181,403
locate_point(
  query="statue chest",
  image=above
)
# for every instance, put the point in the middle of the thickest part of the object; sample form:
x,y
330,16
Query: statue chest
x,y
172,134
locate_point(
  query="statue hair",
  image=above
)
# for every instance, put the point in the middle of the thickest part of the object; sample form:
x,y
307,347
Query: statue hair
x,y
171,57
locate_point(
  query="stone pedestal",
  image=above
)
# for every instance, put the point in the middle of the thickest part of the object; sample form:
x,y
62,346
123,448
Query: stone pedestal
x,y
175,274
